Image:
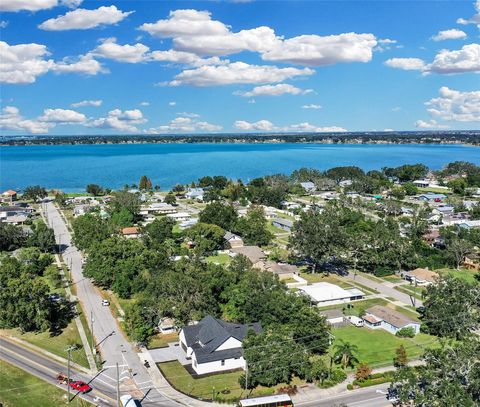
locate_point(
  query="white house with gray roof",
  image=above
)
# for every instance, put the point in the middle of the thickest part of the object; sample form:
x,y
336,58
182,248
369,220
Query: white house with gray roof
x,y
215,345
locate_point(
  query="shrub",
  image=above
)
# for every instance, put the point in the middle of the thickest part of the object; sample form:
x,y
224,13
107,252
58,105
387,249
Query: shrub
x,y
408,332
363,372
383,272
349,386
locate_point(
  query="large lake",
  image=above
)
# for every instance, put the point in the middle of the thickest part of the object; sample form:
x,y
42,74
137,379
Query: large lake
x,y
71,167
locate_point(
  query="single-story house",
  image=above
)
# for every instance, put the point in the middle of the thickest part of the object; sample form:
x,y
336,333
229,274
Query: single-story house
x,y
284,271
233,240
322,294
421,183
167,326
284,224
444,210
252,253
9,196
131,232
333,316
215,345
17,219
420,276
157,207
79,210
431,197
380,317
308,186
195,193
188,223
180,216
469,224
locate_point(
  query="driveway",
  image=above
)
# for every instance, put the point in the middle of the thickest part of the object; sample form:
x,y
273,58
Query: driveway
x,y
172,352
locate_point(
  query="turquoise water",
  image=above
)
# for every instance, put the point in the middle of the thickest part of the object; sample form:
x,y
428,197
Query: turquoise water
x,y
71,167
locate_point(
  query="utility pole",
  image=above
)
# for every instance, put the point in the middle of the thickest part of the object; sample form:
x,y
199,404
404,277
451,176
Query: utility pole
x,y
118,387
69,352
246,375
91,330
415,294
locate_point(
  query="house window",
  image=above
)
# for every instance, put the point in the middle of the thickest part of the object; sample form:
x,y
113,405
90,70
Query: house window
x,y
223,362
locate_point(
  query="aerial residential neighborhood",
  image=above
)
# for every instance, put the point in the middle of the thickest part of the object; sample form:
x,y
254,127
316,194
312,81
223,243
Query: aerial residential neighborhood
x,y
209,295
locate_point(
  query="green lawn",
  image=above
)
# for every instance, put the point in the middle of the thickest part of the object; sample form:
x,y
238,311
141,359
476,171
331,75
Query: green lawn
x,y
463,274
410,290
21,389
224,385
435,190
55,344
377,347
162,340
221,258
274,229
357,306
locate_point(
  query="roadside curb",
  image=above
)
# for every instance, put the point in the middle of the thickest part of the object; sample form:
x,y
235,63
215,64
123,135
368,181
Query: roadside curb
x,y
43,352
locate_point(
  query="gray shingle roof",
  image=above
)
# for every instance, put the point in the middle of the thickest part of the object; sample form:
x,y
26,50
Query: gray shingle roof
x,y
210,333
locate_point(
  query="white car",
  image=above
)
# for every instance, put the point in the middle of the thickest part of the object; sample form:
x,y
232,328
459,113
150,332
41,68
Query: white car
x,y
105,303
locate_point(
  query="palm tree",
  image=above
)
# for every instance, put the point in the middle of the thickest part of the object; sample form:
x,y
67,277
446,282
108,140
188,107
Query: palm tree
x,y
345,354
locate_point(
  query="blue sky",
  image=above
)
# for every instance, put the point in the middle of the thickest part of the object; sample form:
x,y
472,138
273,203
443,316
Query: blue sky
x,y
126,67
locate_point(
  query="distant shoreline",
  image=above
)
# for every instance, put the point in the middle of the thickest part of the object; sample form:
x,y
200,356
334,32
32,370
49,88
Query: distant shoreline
x,y
470,138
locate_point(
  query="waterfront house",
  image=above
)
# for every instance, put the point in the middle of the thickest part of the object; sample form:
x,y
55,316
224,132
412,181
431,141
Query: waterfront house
x,y
195,193
380,317
322,294
9,196
215,345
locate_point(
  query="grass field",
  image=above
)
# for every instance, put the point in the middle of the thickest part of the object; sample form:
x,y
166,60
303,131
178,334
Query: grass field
x,y
21,389
463,274
225,385
55,344
377,347
221,258
162,340
409,290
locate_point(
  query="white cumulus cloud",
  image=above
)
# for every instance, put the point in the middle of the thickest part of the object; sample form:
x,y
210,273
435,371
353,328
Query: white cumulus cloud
x,y
261,125
11,119
122,53
407,64
62,116
267,126
83,103
466,59
117,119
454,105
185,125
312,106
429,124
452,34
83,19
274,90
237,72
475,19
29,5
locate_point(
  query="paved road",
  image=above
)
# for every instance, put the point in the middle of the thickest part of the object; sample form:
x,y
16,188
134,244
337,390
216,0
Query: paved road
x,y
369,397
110,341
384,289
103,393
